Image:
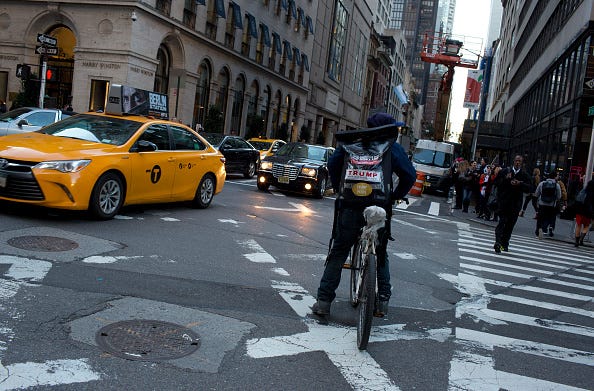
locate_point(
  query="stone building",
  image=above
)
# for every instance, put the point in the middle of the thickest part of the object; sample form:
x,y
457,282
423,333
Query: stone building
x,y
242,61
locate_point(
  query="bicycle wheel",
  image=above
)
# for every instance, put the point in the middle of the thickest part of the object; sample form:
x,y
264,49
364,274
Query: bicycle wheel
x,y
366,301
355,273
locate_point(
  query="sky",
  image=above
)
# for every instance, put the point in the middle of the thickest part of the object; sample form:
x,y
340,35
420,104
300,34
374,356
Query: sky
x,y
472,20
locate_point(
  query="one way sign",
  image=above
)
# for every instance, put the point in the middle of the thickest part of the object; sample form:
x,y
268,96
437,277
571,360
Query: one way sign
x,y
590,83
46,40
45,50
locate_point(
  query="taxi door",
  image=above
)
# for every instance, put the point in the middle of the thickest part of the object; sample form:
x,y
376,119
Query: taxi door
x,y
192,162
153,171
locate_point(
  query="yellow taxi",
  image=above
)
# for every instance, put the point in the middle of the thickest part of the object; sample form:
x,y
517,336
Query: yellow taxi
x,y
102,161
266,146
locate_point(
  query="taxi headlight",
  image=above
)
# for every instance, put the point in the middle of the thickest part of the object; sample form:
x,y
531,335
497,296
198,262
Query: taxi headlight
x,y
64,165
266,165
309,171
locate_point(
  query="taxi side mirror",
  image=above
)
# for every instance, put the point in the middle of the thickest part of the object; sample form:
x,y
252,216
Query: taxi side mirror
x,y
144,146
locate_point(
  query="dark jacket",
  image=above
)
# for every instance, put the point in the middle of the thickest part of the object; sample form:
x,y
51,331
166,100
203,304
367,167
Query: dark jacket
x,y
587,208
510,197
401,166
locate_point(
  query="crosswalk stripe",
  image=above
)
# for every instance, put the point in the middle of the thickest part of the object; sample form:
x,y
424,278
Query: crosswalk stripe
x,y
566,283
552,292
506,265
511,258
495,271
544,304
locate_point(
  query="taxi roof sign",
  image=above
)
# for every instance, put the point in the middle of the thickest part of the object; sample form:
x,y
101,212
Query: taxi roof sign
x,y
123,100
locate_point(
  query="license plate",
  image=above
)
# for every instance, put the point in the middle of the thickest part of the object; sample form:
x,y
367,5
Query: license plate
x,y
283,179
2,181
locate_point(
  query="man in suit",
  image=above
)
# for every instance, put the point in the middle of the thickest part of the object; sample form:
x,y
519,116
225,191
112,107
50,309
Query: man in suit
x,y
512,183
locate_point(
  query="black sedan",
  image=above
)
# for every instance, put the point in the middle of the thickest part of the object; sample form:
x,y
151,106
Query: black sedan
x,y
240,156
297,167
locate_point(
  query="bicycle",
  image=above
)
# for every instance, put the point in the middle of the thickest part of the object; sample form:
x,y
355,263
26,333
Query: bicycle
x,y
363,266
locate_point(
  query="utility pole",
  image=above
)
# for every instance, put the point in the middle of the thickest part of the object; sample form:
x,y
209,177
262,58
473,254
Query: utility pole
x,y
42,85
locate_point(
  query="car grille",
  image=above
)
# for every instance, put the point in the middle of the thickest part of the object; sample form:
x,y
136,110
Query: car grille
x,y
20,181
279,170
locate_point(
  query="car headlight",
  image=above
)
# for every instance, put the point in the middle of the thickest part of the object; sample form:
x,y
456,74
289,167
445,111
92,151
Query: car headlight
x,y
309,171
266,165
64,165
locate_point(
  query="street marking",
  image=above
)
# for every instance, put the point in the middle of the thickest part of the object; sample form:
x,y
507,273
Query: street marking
x,y
258,255
231,221
169,219
108,259
281,271
434,209
50,373
405,256
296,208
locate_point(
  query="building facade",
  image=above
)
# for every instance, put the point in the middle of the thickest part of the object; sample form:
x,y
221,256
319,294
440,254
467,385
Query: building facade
x,y
243,66
543,86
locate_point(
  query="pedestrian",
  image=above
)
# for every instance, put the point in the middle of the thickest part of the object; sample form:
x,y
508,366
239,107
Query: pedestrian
x,y
512,183
2,106
349,220
530,196
461,167
469,181
584,212
548,193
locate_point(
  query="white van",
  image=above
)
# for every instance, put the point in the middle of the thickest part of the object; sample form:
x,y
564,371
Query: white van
x,y
434,159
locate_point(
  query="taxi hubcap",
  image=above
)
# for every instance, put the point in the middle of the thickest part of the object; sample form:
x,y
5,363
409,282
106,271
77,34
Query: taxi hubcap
x,y
207,191
109,198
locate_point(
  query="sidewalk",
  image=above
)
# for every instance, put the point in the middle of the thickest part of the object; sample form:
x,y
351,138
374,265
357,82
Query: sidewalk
x,y
564,229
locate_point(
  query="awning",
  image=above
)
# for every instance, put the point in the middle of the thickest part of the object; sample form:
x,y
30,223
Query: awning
x,y
288,52
297,56
220,8
201,2
292,8
265,34
305,62
309,23
277,43
237,21
284,4
301,17
252,25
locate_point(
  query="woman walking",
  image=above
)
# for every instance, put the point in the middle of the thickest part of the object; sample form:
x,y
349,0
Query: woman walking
x,y
530,196
584,211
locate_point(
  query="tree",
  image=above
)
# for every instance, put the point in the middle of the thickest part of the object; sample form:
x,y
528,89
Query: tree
x,y
214,121
29,94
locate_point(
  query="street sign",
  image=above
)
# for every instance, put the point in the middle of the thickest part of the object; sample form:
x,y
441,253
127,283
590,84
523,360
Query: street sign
x,y
590,83
46,50
591,111
46,40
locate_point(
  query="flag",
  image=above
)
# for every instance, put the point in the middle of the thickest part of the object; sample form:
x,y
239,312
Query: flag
x,y
474,81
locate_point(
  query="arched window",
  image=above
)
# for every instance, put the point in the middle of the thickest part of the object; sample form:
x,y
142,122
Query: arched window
x,y
202,93
237,107
162,71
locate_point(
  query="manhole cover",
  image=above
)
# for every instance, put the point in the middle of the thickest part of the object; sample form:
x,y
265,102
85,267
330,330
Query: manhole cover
x,y
147,340
42,243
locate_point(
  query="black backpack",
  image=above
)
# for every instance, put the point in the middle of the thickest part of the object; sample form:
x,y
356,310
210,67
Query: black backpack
x,y
366,177
548,193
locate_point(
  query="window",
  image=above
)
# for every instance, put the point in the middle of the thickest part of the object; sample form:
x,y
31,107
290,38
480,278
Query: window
x,y
162,73
158,135
291,12
263,42
250,32
184,140
287,56
189,18
41,118
274,49
337,42
164,6
233,23
99,90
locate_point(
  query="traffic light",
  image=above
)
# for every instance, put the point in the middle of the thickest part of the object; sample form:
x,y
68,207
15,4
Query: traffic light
x,y
51,74
23,71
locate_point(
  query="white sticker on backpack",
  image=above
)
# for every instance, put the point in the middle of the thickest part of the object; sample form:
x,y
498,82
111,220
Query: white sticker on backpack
x,y
363,175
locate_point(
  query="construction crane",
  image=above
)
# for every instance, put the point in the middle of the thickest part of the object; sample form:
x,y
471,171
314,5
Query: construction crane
x,y
451,52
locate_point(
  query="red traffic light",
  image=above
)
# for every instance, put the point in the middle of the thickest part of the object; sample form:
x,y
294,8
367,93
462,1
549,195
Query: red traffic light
x,y
51,74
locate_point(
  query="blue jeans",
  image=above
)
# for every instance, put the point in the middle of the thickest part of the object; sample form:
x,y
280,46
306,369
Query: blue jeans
x,y
348,226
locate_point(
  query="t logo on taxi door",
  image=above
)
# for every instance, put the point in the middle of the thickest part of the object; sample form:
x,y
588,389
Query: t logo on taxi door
x,y
155,174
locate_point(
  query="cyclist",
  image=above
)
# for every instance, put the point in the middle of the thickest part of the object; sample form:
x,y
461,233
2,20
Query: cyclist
x,y
350,220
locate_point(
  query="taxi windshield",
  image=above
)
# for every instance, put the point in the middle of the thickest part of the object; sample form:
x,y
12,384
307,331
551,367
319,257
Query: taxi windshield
x,y
261,145
95,128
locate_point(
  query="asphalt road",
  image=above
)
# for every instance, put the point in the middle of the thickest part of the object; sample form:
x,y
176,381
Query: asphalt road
x,y
165,297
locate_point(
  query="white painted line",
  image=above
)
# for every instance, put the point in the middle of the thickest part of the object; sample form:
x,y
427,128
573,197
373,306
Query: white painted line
x,y
169,219
281,271
404,205
231,221
573,276
495,271
541,323
505,265
108,259
553,292
411,225
258,255
49,373
472,372
528,347
511,258
405,256
545,305
434,209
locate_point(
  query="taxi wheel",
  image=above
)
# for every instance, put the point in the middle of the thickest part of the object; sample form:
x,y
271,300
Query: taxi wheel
x,y
250,171
205,192
107,197
321,190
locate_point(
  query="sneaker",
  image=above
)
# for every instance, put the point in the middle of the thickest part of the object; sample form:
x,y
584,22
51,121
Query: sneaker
x,y
497,248
521,213
551,233
540,234
381,308
321,308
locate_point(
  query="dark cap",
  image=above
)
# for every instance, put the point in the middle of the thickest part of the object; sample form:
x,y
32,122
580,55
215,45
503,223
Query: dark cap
x,y
381,119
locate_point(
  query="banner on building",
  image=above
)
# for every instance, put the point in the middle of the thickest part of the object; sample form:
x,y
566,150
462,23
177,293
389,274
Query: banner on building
x,y
400,94
474,81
